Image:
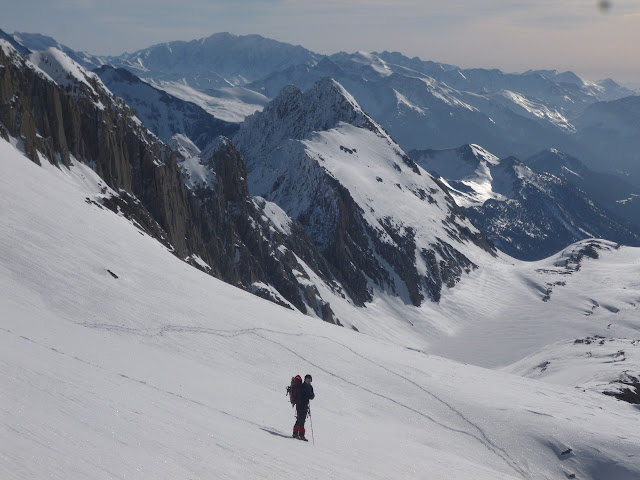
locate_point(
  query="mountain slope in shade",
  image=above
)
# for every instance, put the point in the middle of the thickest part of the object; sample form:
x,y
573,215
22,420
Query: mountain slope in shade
x,y
380,220
611,191
220,60
611,130
162,113
526,214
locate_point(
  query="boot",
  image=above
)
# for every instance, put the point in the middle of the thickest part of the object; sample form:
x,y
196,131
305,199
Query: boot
x,y
303,438
296,435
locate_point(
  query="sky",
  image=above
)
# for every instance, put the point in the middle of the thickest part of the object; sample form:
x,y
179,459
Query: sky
x,y
512,35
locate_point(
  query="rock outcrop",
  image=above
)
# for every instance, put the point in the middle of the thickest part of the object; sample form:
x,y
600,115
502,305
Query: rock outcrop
x,y
68,115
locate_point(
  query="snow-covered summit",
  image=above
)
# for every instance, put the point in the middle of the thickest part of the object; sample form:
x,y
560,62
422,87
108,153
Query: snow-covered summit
x,y
381,219
37,42
63,70
294,115
220,60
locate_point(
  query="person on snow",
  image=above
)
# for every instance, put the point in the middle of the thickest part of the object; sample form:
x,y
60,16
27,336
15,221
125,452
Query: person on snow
x,y
304,393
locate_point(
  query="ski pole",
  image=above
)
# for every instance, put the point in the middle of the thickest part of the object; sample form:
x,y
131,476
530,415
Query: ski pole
x,y
311,421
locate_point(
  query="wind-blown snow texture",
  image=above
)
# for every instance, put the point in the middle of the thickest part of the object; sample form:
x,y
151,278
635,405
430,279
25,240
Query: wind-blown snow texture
x,y
119,360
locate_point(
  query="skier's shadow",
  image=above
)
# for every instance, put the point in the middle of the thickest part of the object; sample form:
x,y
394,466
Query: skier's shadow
x,y
275,433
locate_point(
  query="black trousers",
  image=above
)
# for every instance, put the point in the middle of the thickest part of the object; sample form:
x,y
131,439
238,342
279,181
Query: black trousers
x,y
301,415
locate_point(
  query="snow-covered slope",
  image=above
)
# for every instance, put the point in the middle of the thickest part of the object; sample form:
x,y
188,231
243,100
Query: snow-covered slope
x,y
63,70
231,104
119,360
465,170
164,114
36,42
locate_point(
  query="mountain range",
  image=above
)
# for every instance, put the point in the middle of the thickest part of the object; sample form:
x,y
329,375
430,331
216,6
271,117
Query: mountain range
x,y
422,104
531,213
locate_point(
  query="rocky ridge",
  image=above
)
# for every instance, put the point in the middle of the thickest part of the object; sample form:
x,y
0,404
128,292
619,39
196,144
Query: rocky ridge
x,y
529,215
221,230
336,172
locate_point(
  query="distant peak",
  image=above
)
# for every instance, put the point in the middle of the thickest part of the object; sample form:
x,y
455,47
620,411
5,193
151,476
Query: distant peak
x,y
324,93
294,115
478,153
328,84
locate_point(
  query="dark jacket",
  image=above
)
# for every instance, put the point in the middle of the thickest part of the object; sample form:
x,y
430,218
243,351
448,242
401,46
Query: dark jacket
x,y
304,393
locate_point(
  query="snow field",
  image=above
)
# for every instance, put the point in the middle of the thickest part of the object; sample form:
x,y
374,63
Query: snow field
x,y
165,372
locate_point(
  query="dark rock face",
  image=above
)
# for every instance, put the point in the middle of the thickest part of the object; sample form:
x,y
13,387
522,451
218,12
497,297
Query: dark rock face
x,y
225,227
629,395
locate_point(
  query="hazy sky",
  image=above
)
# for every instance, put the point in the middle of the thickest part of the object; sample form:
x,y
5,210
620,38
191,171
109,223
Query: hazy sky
x,y
513,35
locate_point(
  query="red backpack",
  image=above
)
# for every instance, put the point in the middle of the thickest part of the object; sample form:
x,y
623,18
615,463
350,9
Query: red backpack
x,y
293,388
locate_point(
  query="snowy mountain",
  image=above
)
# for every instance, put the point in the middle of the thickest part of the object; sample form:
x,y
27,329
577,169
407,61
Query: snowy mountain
x,y
418,111
220,60
611,130
430,105
36,42
164,114
527,214
609,190
381,221
121,360
422,104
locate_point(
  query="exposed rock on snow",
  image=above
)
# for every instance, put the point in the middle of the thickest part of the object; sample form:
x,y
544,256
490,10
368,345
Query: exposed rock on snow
x,y
380,220
197,204
527,214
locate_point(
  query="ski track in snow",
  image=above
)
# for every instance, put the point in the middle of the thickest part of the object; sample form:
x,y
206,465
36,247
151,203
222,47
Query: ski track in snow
x,y
72,416
480,436
136,380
